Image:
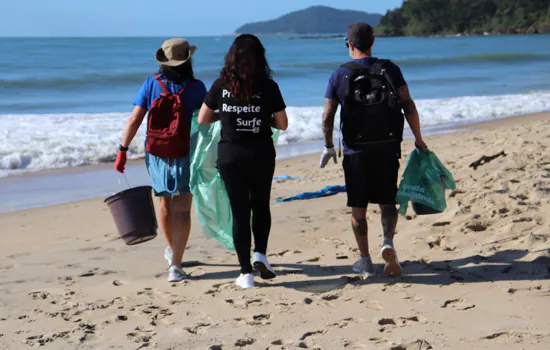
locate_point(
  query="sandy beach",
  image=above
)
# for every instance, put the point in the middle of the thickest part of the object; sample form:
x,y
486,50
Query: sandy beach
x,y
476,276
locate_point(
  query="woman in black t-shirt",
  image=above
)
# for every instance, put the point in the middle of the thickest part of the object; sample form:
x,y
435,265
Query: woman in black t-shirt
x,y
249,104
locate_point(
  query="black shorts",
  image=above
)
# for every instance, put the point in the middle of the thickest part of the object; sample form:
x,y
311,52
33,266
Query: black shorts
x,y
371,178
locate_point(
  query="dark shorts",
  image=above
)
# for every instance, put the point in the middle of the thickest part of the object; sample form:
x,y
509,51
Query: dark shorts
x,y
371,178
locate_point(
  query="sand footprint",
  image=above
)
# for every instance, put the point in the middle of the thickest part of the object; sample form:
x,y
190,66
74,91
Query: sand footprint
x,y
515,337
354,344
418,344
140,337
241,343
245,302
343,323
199,328
285,253
330,297
256,320
311,334
315,259
90,273
451,302
41,340
401,321
372,304
218,288
379,341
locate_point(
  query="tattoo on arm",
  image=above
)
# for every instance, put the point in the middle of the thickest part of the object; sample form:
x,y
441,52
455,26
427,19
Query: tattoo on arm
x,y
328,121
409,107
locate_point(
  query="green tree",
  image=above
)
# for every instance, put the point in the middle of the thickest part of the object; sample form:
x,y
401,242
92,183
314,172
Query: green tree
x,y
427,17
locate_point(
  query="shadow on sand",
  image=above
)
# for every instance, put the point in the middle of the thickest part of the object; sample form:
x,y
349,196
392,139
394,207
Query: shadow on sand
x,y
501,266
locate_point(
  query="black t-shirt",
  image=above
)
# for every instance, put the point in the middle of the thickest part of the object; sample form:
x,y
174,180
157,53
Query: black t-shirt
x,y
246,128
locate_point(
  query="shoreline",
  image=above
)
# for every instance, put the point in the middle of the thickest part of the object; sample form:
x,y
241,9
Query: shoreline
x,y
459,35
65,185
319,36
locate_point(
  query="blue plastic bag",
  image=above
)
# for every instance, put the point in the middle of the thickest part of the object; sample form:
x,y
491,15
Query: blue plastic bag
x,y
209,194
423,183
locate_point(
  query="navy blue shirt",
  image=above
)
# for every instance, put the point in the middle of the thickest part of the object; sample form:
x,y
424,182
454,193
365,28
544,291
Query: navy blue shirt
x,y
337,83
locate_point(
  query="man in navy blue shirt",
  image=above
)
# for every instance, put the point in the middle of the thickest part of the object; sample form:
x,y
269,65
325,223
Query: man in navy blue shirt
x,y
371,176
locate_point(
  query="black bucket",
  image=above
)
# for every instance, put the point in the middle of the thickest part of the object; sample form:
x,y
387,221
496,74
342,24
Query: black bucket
x,y
421,209
134,214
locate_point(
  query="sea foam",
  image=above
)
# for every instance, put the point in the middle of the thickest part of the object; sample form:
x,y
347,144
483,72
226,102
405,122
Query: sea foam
x,y
30,142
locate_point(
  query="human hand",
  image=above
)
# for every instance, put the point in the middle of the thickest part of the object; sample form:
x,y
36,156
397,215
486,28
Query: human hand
x,y
120,162
327,154
422,145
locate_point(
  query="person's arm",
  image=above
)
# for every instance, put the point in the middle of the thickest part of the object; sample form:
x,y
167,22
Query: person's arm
x,y
208,115
328,128
132,125
331,106
411,113
280,120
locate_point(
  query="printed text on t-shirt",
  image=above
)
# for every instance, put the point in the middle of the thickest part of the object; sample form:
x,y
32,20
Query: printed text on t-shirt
x,y
239,109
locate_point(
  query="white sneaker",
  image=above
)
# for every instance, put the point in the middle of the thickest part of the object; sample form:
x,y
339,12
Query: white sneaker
x,y
392,268
260,263
245,281
176,274
168,255
364,267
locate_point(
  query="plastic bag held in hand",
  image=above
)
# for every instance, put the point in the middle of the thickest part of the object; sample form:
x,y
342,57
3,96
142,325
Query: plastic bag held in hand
x,y
424,183
327,154
120,162
210,198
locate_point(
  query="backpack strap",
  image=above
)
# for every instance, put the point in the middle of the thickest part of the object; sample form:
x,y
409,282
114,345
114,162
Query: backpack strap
x,y
161,83
187,86
378,66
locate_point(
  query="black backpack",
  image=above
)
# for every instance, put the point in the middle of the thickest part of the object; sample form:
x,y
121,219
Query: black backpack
x,y
372,116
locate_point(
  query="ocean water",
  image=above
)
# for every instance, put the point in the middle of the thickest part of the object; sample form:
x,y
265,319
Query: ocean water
x,y
64,102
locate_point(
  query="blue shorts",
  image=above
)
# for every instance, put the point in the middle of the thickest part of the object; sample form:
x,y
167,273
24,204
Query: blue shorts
x,y
170,176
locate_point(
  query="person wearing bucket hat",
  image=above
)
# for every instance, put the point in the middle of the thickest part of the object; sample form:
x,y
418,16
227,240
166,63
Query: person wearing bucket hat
x,y
175,52
169,99
373,95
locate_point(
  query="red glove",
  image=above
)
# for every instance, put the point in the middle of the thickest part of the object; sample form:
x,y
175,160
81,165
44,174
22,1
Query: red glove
x,y
120,162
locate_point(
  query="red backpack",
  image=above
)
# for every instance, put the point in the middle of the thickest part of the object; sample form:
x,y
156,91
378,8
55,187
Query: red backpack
x,y
168,131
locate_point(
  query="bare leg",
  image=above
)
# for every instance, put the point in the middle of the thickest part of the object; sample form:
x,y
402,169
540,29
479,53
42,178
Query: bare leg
x,y
392,268
389,221
181,226
360,229
166,218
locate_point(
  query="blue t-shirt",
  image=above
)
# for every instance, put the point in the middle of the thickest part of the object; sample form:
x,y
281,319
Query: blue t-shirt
x,y
151,90
337,83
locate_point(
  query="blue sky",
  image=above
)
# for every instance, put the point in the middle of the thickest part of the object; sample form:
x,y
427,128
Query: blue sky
x,y
153,17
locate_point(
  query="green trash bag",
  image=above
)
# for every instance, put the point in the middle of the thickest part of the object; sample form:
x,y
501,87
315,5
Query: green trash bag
x,y
209,194
424,183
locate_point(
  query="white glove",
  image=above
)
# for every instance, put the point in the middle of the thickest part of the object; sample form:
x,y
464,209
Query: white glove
x,y
327,154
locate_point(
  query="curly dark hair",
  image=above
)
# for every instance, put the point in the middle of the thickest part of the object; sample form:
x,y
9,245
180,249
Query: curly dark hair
x,y
246,69
179,74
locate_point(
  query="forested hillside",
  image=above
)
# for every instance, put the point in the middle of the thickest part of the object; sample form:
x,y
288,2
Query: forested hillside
x,y
431,17
313,20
